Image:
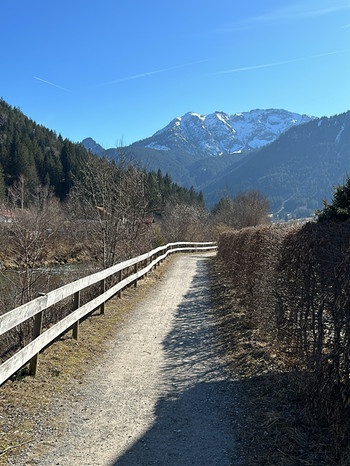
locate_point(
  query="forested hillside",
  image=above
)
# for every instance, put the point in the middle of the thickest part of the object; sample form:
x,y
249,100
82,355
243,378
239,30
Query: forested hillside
x,y
296,171
37,153
43,158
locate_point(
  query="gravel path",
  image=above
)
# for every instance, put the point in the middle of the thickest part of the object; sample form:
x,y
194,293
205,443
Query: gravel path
x,y
161,395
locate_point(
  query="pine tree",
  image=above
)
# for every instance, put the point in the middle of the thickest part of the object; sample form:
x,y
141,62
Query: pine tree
x,y
339,209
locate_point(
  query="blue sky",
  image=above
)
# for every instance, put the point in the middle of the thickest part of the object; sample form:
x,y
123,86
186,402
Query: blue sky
x,y
118,70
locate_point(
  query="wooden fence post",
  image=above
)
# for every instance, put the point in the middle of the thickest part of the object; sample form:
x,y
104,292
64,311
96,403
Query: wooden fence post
x,y
120,277
38,320
135,271
143,265
103,289
76,306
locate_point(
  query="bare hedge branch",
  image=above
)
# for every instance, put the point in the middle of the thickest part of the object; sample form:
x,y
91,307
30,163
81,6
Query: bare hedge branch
x,y
294,283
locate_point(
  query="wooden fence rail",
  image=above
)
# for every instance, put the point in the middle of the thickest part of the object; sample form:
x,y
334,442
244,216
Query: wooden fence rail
x,y
140,265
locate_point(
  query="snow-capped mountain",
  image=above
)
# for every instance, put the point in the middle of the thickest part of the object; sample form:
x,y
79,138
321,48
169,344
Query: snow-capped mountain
x,y
297,171
294,165
219,133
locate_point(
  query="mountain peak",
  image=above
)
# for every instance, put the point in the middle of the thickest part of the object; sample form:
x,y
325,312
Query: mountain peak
x,y
91,145
219,133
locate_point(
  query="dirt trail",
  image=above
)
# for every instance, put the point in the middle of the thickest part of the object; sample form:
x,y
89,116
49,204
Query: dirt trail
x,y
161,395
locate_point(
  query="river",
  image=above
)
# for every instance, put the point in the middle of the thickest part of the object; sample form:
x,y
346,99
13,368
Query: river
x,y
44,279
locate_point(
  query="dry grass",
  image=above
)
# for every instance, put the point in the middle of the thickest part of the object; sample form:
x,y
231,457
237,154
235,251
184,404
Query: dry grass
x,y
275,427
26,403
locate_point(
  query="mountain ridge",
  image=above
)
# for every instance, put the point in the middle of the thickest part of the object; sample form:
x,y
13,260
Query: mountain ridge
x,y
297,170
218,133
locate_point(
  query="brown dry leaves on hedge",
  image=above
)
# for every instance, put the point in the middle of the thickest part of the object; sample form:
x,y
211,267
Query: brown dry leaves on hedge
x,y
287,290
276,427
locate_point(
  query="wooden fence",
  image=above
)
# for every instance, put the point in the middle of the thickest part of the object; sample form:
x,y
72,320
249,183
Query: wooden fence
x,y
126,273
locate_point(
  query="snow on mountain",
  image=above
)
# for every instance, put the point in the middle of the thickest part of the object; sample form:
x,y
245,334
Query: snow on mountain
x,y
219,133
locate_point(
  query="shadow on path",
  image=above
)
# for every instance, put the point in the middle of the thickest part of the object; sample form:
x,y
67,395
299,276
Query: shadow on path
x,y
194,414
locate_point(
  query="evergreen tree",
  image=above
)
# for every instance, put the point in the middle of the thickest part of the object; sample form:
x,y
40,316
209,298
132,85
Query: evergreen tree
x,y
339,209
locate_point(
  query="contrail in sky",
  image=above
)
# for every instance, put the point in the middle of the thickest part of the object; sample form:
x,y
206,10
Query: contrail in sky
x,y
293,11
136,76
149,73
51,84
301,10
278,63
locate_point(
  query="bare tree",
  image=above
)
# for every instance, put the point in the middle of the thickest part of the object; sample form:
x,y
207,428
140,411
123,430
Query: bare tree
x,y
28,235
247,209
31,231
182,222
109,199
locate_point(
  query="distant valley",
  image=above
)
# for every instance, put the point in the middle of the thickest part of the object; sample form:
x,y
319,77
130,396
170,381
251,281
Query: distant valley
x,y
295,160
